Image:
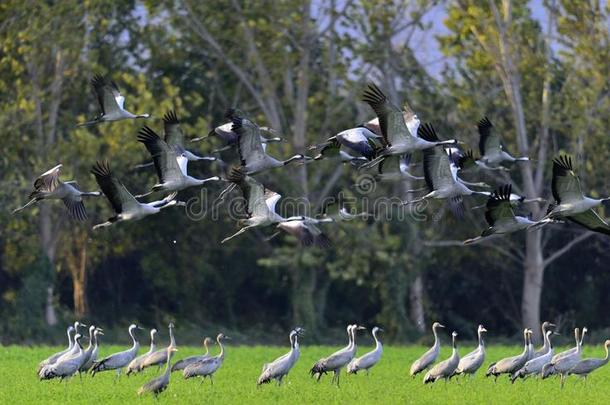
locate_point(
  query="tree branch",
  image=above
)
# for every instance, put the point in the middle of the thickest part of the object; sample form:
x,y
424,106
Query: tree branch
x,y
558,253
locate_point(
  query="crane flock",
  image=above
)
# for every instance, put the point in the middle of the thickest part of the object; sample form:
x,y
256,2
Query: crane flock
x,y
541,363
385,144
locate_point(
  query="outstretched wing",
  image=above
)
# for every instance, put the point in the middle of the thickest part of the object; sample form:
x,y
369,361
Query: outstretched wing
x,y
249,143
391,119
48,181
173,133
498,206
437,166
120,199
565,185
253,192
489,141
590,220
164,157
108,95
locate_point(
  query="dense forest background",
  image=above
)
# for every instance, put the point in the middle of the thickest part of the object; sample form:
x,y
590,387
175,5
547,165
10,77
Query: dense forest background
x,y
300,68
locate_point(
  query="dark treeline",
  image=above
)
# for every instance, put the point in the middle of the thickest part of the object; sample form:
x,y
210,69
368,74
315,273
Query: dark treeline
x,y
299,67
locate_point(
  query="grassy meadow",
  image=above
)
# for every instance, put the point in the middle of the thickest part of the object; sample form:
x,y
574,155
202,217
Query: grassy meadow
x,y
235,382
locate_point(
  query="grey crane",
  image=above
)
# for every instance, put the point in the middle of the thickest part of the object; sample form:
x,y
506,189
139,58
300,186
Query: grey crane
x,y
251,153
259,202
512,364
92,351
578,338
75,347
534,366
333,151
125,206
226,134
118,360
170,165
441,176
53,358
467,162
306,230
67,366
135,365
470,363
395,168
570,202
182,364
562,363
411,121
174,138
159,384
280,367
111,103
398,139
336,361
207,367
490,146
159,357
428,358
500,216
368,360
586,366
359,140
48,187
445,368
546,346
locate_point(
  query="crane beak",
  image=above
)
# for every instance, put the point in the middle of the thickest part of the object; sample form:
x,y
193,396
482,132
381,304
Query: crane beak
x,y
360,328
483,330
380,330
441,326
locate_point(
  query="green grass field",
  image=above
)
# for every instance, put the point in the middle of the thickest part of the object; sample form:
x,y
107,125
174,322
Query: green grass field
x,y
235,382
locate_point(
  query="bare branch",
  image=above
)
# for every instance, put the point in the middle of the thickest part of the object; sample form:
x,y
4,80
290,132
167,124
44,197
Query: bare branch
x,y
558,253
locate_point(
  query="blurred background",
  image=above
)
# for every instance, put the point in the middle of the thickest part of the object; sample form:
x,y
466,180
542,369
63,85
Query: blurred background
x,y
539,70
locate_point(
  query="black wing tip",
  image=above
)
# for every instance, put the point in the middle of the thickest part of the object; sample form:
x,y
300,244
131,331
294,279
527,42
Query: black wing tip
x,y
146,134
563,162
322,241
98,81
236,174
170,117
101,168
232,112
502,193
427,132
484,123
373,94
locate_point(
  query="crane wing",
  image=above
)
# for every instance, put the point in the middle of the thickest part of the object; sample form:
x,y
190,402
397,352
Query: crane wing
x,y
249,143
437,166
498,206
120,199
590,220
108,95
489,141
253,192
391,119
48,181
173,133
565,184
164,157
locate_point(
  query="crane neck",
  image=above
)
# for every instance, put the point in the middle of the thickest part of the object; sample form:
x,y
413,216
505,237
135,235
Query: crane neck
x,y
221,355
454,344
167,365
172,340
133,338
481,341
70,342
437,342
607,345
377,341
153,345
90,339
207,349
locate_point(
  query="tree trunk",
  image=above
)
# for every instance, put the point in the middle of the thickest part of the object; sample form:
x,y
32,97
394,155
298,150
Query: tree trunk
x,y
416,301
532,283
302,302
47,243
76,262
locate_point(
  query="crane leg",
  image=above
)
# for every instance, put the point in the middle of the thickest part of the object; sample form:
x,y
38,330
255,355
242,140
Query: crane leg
x,y
32,201
211,379
242,230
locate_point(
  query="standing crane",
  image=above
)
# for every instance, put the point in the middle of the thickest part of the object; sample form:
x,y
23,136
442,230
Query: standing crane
x,y
91,356
159,357
159,384
135,365
182,364
65,367
512,364
534,366
118,360
445,368
125,206
428,358
280,367
336,361
111,103
48,187
586,366
563,363
368,360
470,363
207,367
546,346
53,358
